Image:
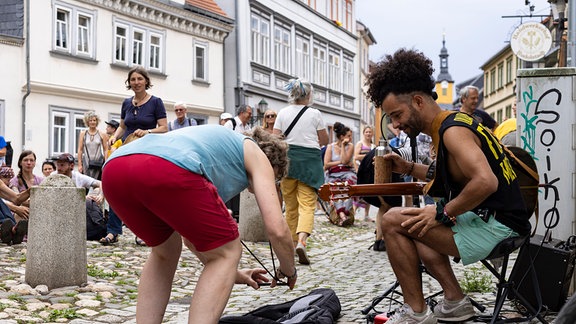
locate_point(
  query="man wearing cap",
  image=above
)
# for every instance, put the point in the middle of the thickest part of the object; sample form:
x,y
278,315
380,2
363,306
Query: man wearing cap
x,y
111,127
94,199
225,117
65,166
181,121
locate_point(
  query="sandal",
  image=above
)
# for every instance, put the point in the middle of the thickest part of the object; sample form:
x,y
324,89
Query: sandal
x,y
140,242
107,240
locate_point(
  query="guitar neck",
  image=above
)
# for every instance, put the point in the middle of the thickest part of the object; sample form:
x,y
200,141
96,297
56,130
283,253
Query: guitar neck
x,y
387,189
335,191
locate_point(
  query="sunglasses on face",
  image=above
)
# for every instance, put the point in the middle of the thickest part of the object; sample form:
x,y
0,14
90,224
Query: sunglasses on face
x,y
270,116
178,110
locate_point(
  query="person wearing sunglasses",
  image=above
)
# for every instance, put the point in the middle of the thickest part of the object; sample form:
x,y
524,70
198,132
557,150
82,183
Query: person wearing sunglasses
x,y
269,120
181,120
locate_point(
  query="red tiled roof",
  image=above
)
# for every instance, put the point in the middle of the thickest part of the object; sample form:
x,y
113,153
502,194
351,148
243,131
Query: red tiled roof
x,y
209,5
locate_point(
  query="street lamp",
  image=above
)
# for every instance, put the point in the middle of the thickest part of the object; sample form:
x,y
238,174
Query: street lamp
x,y
260,110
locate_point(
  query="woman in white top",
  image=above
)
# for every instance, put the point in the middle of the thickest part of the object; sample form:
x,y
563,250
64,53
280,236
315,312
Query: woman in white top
x,y
305,174
92,143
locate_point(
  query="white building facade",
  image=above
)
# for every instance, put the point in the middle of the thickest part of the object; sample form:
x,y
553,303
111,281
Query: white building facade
x,y
63,58
276,40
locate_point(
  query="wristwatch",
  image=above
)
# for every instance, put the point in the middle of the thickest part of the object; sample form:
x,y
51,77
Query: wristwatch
x,y
149,132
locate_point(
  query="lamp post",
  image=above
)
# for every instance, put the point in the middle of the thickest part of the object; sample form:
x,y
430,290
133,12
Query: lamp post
x,y
260,110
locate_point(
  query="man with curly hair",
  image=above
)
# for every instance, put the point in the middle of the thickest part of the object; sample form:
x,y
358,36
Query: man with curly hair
x,y
481,202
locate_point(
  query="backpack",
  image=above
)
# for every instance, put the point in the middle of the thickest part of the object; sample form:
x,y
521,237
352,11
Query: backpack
x,y
320,306
233,123
95,221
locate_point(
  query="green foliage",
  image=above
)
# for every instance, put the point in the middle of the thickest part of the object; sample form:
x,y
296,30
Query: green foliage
x,y
475,280
68,313
95,272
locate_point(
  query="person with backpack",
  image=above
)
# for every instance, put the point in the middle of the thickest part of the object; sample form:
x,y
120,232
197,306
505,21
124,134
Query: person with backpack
x,y
481,203
240,123
181,120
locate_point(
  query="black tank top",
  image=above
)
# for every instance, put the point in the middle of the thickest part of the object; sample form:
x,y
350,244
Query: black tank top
x,y
507,201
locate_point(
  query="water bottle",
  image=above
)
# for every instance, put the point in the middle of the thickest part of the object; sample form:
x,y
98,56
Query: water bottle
x,y
382,167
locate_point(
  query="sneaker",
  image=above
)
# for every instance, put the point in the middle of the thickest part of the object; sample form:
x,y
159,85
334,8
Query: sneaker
x,y
405,315
447,311
302,256
20,230
6,231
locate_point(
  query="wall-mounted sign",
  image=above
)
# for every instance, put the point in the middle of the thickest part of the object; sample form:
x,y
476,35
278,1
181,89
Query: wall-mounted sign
x,y
531,41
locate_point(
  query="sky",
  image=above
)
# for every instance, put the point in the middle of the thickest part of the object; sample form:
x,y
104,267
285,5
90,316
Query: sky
x,y
474,29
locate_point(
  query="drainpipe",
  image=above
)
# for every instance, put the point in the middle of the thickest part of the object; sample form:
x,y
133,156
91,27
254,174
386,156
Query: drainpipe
x,y
239,100
571,34
27,46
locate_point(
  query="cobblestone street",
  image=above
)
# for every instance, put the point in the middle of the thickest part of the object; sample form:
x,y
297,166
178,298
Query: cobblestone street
x,y
341,260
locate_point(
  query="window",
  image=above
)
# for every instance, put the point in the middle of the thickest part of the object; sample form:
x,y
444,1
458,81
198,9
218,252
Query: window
x,y
508,112
137,45
500,75
499,116
73,30
509,69
282,49
334,70
260,31
348,75
319,64
66,125
200,61
348,19
493,80
303,57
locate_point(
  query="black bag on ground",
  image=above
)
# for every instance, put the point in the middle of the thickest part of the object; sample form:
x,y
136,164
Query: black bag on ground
x,y
365,175
95,221
320,306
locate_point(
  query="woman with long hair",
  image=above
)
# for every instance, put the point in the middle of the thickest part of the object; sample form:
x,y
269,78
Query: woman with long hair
x,y
305,174
25,178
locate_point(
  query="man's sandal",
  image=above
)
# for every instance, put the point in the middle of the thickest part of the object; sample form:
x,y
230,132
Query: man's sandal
x,y
107,240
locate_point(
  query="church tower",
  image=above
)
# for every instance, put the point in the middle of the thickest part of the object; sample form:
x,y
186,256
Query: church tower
x,y
444,82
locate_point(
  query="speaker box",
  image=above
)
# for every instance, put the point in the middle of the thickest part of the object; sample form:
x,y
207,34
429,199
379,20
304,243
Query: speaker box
x,y
554,264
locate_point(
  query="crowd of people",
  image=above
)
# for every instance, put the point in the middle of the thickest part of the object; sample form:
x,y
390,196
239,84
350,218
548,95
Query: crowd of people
x,y
283,161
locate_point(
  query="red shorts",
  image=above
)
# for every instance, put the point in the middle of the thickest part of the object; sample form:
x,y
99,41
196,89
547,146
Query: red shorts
x,y
155,197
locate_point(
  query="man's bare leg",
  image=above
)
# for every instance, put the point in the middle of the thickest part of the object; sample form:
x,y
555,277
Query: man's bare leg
x,y
440,268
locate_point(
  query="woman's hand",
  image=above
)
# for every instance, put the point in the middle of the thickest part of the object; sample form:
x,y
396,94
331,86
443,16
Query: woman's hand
x,y
251,277
22,211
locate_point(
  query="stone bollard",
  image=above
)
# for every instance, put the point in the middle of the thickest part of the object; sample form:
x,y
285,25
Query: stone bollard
x,y
56,255
250,224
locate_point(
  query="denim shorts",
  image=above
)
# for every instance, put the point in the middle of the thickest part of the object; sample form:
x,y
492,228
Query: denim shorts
x,y
475,239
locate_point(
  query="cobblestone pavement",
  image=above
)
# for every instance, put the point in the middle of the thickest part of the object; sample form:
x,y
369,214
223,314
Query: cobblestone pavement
x,y
341,260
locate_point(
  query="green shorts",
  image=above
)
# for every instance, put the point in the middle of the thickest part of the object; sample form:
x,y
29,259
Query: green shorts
x,y
475,239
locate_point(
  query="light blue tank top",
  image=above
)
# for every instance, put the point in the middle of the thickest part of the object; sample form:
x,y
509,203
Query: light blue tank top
x,y
213,151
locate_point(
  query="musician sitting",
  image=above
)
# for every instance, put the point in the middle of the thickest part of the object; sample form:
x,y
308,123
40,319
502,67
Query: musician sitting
x,y
481,204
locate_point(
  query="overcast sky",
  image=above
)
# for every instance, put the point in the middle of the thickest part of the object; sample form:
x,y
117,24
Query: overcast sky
x,y
474,29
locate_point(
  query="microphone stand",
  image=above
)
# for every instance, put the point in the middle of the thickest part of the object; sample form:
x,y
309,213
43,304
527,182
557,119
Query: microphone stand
x,y
413,146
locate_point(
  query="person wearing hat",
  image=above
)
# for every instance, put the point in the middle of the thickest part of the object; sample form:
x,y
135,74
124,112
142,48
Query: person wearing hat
x,y
224,117
94,199
111,127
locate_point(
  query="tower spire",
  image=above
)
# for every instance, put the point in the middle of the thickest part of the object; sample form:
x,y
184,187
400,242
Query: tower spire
x,y
444,82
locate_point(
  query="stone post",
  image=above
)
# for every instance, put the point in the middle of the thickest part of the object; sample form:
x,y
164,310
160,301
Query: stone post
x,y
250,224
56,254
